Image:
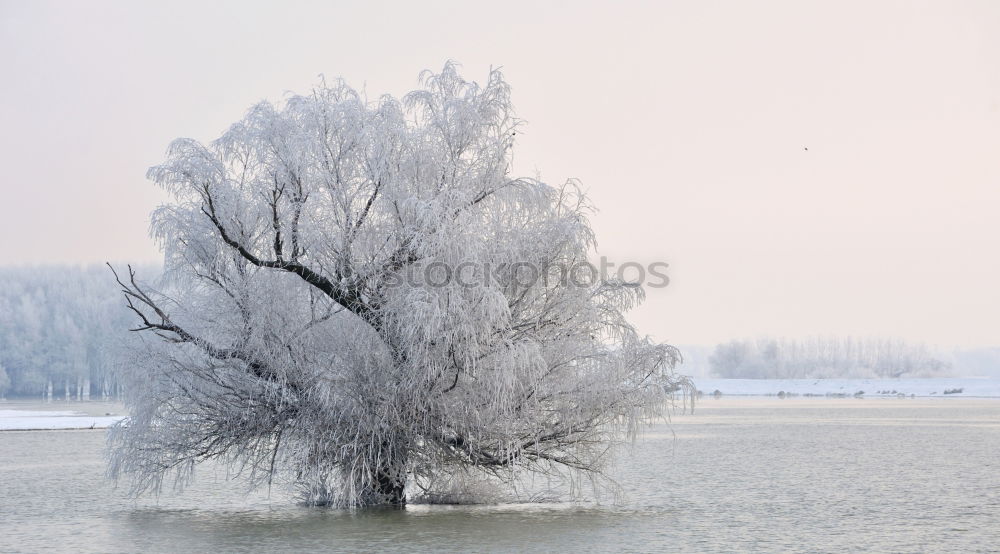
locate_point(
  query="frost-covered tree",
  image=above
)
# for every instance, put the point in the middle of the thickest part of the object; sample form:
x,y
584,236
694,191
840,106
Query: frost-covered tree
x,y
4,381
360,297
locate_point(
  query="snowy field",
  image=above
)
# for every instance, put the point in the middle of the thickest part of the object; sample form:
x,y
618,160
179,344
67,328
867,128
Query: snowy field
x,y
969,387
22,420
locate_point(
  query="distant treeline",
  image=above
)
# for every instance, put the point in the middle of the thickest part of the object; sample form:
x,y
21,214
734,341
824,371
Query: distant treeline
x,y
825,358
60,328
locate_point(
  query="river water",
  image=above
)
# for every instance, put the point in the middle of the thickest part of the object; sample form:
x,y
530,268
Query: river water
x,y
738,474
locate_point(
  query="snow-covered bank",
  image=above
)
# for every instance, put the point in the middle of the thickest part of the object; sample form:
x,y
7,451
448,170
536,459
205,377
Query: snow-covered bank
x,y
22,420
946,387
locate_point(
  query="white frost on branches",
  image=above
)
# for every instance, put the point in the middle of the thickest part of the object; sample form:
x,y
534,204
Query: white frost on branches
x,y
307,329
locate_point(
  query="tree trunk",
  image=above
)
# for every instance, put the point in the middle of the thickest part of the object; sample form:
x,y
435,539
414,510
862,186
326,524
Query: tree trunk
x,y
391,488
390,478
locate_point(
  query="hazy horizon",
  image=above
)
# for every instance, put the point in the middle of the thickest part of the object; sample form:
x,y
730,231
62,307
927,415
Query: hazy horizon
x,y
804,169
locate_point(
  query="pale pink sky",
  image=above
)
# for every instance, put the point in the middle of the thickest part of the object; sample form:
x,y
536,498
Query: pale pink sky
x,y
687,122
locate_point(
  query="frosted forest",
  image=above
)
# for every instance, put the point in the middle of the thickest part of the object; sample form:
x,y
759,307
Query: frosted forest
x,y
827,357
62,331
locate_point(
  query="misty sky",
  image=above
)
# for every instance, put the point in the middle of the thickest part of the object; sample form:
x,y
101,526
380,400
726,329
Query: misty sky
x,y
688,122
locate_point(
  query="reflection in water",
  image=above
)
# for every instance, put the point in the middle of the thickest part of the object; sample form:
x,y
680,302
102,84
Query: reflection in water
x,y
800,474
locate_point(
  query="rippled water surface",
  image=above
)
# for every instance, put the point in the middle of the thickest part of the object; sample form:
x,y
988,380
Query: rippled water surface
x,y
738,474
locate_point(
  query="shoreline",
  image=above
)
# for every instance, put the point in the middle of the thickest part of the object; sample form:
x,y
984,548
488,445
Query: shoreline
x,y
940,387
